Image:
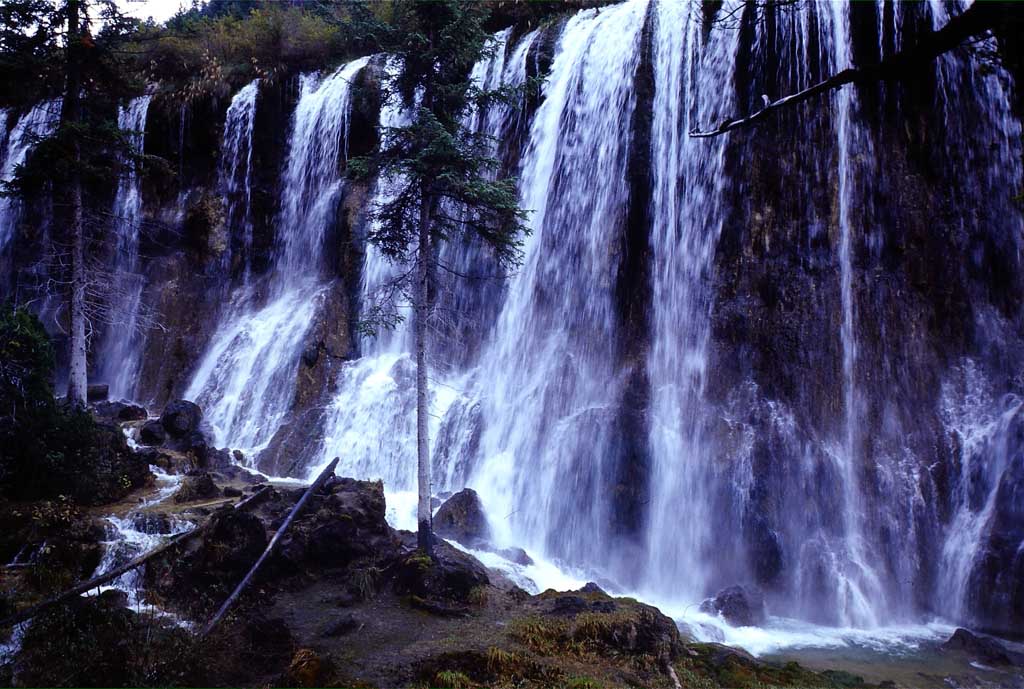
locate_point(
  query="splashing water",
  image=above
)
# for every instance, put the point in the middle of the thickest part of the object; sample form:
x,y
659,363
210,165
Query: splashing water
x,y
246,380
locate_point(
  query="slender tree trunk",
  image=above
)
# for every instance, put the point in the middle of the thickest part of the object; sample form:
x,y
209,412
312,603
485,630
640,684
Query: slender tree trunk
x,y
77,380
421,306
71,113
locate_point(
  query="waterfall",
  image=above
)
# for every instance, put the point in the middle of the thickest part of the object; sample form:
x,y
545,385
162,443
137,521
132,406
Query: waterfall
x,y
860,590
234,175
38,122
371,422
548,383
822,476
246,380
691,87
119,353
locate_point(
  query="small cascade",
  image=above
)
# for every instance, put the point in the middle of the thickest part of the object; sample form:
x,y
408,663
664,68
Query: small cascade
x,y
41,121
130,536
235,176
120,351
246,380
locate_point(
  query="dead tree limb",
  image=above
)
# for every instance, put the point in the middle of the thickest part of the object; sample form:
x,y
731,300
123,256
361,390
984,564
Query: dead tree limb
x,y
32,611
321,479
979,18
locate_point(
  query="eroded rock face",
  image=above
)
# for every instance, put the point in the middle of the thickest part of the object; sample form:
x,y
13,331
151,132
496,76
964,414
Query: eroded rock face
x,y
462,518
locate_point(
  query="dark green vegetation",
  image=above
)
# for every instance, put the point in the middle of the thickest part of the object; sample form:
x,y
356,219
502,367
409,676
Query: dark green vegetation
x,y
48,449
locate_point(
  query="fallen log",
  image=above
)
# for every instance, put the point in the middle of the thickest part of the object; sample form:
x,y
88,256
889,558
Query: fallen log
x,y
316,485
33,610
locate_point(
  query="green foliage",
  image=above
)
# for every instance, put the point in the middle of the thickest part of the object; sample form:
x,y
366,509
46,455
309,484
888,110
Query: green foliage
x,y
26,365
442,174
215,49
46,449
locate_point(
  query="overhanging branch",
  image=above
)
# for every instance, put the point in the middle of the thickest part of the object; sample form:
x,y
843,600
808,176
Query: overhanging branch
x,y
979,18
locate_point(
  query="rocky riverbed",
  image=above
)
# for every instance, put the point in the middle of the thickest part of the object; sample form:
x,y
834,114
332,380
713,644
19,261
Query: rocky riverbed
x,y
348,600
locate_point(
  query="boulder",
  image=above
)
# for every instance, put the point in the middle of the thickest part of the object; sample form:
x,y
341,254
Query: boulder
x,y
97,392
152,523
152,433
230,492
736,605
197,577
197,487
181,418
450,575
461,518
983,648
516,555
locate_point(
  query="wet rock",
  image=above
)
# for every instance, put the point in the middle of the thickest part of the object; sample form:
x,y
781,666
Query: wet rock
x,y
343,625
238,456
97,392
568,606
516,555
983,648
737,605
197,487
152,523
340,528
181,418
230,492
152,433
591,587
462,518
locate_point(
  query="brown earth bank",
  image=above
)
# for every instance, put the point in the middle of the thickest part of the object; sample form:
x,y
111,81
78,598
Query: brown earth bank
x,y
347,601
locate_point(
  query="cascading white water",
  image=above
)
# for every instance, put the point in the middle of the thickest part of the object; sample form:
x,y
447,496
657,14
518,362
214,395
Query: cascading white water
x,y
548,383
860,591
119,353
246,380
691,87
39,122
234,173
371,422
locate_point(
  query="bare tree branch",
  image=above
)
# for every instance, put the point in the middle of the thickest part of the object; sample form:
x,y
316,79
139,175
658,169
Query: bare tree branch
x,y
979,18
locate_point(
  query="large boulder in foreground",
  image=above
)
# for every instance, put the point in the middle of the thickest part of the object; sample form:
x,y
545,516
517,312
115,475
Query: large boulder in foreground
x,y
181,418
461,518
94,642
198,575
450,575
739,606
